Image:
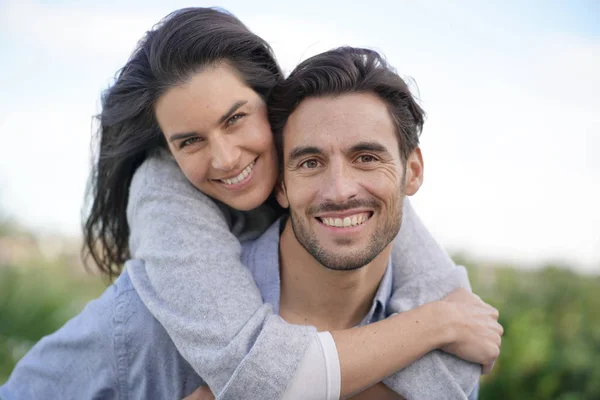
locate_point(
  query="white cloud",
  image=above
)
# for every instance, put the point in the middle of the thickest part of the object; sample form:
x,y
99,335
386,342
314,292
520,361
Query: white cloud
x,y
510,145
74,30
510,149
44,163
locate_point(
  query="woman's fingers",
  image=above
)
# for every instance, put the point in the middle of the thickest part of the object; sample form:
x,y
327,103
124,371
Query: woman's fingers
x,y
487,368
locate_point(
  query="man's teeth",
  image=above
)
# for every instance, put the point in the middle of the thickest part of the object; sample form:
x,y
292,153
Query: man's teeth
x,y
351,220
240,177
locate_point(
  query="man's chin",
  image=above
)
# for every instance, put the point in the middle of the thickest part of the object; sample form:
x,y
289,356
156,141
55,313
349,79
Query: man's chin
x,y
347,243
346,260
343,265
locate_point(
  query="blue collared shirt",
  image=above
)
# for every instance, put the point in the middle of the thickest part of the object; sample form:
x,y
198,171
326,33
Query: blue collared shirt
x,y
262,258
116,349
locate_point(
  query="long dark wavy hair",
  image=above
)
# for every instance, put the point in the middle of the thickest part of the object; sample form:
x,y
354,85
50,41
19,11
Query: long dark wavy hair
x,y
183,43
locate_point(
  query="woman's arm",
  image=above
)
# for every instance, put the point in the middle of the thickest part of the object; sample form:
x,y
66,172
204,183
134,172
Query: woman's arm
x,y
461,323
371,351
423,272
195,285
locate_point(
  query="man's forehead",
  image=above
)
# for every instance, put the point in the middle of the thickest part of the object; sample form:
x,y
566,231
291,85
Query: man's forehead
x,y
366,106
340,121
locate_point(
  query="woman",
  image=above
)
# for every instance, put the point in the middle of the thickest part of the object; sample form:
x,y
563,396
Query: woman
x,y
150,203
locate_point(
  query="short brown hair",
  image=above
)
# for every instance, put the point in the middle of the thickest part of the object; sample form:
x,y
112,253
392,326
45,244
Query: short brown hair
x,y
348,70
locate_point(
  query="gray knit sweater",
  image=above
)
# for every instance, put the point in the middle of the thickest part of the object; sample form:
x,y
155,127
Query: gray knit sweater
x,y
206,299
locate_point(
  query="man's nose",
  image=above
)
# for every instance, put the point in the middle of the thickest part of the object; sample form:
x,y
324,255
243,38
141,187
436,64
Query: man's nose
x,y
225,155
341,184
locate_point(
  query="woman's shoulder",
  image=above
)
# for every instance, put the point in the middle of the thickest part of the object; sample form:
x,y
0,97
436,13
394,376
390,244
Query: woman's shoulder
x,y
159,188
160,171
159,182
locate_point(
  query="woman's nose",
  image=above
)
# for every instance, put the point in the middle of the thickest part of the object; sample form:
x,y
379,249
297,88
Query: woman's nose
x,y
225,156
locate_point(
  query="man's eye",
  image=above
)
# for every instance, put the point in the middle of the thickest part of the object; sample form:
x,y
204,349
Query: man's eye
x,y
236,118
366,159
190,141
310,164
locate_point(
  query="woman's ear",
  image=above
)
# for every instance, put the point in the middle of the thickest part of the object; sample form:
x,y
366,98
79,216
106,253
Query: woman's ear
x,y
414,172
281,195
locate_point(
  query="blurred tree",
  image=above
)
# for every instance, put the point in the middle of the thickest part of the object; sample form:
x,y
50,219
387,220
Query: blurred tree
x,y
551,345
550,350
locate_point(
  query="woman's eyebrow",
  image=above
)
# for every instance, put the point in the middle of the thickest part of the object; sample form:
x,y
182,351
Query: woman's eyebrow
x,y
180,136
231,110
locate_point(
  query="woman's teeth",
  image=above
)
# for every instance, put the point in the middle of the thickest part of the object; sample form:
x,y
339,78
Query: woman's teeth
x,y
351,220
241,176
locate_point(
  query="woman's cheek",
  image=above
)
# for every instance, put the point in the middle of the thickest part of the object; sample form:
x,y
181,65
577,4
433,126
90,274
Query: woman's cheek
x,y
263,138
262,132
194,171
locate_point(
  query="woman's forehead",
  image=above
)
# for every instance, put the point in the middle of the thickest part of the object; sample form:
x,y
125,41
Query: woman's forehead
x,y
203,100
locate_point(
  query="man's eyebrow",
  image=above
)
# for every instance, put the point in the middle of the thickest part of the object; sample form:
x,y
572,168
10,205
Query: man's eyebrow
x,y
302,151
186,135
368,146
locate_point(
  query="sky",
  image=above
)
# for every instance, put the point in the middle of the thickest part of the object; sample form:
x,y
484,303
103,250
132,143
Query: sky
x,y
511,143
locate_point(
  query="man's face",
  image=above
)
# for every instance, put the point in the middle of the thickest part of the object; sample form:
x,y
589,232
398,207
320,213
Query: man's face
x,y
343,178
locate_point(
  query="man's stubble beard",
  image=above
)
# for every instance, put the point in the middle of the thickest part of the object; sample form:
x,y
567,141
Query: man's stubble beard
x,y
383,235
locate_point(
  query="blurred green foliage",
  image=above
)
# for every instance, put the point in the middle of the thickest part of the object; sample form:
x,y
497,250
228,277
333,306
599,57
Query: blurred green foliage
x,y
551,316
35,300
551,344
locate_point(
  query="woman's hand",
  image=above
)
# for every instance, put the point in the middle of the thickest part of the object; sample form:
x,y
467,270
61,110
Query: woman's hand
x,y
475,334
202,393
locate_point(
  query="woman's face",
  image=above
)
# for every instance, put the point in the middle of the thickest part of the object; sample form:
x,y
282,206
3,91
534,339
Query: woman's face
x,y
217,130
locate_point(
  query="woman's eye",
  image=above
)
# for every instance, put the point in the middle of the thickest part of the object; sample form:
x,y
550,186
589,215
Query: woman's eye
x,y
236,118
310,164
366,159
190,141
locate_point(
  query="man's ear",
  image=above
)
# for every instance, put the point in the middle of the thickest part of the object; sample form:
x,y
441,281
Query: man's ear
x,y
414,172
281,194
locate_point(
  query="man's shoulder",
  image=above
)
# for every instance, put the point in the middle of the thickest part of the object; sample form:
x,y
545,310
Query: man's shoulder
x,y
142,344
81,358
114,345
120,313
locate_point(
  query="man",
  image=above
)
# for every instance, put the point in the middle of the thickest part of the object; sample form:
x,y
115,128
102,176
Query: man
x,y
347,133
346,128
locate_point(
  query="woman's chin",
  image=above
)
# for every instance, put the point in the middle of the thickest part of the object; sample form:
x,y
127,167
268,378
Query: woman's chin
x,y
245,202
248,203
243,197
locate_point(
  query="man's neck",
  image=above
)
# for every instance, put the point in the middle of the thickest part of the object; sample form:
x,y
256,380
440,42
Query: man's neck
x,y
314,295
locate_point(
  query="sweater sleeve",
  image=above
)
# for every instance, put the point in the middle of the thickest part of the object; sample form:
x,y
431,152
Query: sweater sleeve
x,y
195,285
423,272
315,379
